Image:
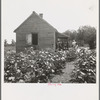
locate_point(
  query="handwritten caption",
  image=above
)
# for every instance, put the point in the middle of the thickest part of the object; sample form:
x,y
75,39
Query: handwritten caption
x,y
54,84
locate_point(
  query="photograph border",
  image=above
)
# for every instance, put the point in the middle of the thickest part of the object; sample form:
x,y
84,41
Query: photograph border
x,y
97,78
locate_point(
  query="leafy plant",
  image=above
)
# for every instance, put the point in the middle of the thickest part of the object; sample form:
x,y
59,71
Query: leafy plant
x,y
85,67
71,55
32,66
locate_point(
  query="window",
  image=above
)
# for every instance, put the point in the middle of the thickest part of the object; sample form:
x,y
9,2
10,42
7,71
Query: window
x,y
32,39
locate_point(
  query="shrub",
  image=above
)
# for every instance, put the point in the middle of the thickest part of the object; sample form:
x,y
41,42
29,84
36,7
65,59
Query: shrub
x,y
85,67
71,55
32,66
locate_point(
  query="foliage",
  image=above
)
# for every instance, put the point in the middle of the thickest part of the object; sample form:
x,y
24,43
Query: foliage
x,y
88,35
84,35
5,42
72,34
33,66
85,67
13,42
71,55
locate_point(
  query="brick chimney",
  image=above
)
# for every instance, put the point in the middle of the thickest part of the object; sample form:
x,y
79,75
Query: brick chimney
x,y
41,15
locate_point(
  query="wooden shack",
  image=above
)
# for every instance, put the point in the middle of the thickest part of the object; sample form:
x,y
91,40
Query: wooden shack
x,y
36,32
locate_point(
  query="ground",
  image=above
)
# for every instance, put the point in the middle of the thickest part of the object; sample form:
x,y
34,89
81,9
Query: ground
x,y
65,77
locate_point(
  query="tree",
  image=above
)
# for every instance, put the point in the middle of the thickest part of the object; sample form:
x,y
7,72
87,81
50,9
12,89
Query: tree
x,y
88,35
13,42
5,42
72,34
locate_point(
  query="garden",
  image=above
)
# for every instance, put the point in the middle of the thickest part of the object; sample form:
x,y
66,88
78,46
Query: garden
x,y
42,66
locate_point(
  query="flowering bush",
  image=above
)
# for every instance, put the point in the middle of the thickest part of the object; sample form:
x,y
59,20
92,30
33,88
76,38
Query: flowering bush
x,y
85,67
32,66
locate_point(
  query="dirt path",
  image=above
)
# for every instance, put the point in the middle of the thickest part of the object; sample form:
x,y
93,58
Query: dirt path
x,y
65,77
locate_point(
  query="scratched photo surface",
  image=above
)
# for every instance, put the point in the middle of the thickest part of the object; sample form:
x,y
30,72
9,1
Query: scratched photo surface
x,y
50,41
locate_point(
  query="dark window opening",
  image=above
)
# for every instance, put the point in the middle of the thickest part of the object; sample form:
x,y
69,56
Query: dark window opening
x,y
35,39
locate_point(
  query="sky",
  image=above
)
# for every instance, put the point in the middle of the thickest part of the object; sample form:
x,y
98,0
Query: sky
x,y
62,14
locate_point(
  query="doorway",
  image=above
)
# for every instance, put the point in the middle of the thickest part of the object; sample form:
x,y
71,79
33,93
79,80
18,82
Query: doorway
x,y
34,39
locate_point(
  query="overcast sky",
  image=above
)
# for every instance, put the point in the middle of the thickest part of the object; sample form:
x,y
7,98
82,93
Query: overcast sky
x,y
62,14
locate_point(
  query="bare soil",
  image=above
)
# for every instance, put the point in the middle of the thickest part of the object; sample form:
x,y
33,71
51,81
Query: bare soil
x,y
65,77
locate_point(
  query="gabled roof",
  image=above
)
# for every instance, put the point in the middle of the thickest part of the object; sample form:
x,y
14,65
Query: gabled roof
x,y
61,35
34,13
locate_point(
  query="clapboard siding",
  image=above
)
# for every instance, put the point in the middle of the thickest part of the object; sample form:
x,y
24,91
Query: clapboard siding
x,y
35,24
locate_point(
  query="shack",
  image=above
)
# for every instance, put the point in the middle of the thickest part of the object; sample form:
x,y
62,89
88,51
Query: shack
x,y
38,33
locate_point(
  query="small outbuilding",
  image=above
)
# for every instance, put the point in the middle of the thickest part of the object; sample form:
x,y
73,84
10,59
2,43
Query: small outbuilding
x,y
36,32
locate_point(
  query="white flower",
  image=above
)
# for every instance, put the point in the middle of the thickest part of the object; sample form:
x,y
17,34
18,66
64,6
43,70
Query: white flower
x,y
7,71
32,66
11,78
49,67
84,63
21,81
63,58
53,70
18,71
